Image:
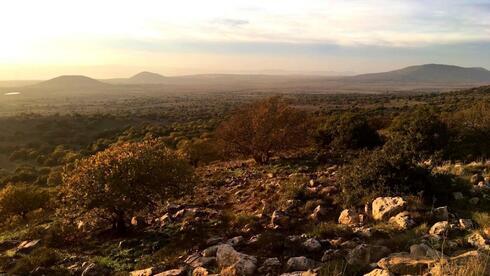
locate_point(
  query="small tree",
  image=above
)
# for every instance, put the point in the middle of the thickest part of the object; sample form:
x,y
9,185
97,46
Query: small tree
x,y
421,132
20,199
199,151
263,129
122,180
348,132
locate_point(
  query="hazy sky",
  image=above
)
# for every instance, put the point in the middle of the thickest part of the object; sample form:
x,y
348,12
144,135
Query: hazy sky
x,y
114,38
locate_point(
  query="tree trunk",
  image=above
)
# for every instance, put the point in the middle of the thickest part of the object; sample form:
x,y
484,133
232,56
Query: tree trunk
x,y
119,224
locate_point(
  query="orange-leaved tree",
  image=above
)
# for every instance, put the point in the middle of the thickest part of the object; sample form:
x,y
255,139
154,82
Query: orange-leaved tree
x,y
263,129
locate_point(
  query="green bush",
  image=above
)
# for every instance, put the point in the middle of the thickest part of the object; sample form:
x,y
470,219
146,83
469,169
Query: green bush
x,y
123,180
41,257
422,133
348,132
19,199
386,172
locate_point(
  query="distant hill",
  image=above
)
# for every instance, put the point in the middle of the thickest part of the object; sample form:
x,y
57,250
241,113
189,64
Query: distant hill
x,y
71,82
429,73
147,78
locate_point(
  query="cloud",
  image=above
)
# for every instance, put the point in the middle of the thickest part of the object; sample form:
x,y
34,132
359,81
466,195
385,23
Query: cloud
x,y
230,22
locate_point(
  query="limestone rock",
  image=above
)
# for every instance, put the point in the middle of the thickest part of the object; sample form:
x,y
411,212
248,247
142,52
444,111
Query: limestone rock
x,y
300,264
478,241
379,272
423,250
350,217
172,272
279,220
271,266
312,245
404,263
230,259
441,213
439,228
385,207
402,221
364,254
465,224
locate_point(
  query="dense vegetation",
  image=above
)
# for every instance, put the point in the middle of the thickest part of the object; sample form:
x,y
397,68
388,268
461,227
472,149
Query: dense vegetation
x,y
87,173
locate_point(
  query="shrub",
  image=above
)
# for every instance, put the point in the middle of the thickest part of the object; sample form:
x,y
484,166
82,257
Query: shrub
x,y
263,129
19,199
385,172
40,257
422,133
123,180
199,151
348,132
470,129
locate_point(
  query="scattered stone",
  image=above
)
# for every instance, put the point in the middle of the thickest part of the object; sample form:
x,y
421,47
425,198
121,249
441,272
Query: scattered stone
x,y
439,228
27,246
465,224
172,272
210,251
312,245
402,221
474,200
235,241
138,221
364,254
196,260
478,241
279,220
95,270
143,272
318,213
423,250
270,266
379,272
476,178
440,213
350,217
200,271
214,240
231,260
404,263
301,264
458,195
331,254
385,207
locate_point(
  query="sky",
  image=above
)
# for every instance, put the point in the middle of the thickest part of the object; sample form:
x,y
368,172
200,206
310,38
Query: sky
x,y
119,38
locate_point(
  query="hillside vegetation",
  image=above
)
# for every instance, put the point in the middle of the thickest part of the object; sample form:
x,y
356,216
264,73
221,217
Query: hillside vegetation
x,y
249,184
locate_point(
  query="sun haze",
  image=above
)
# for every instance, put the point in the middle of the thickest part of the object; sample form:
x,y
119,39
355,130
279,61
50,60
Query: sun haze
x,y
109,38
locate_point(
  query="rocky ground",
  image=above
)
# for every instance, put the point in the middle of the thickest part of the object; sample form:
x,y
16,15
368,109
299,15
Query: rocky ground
x,y
280,219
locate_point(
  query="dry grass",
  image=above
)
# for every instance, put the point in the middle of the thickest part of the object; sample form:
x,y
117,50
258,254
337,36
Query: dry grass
x,y
473,266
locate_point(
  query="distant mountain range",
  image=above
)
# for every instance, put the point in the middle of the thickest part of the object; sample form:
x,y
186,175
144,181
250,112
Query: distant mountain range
x,y
428,77
67,82
430,73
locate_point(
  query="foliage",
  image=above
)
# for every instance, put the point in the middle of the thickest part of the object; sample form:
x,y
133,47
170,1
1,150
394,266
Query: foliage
x,y
348,132
470,129
19,199
122,180
421,133
199,151
389,171
263,129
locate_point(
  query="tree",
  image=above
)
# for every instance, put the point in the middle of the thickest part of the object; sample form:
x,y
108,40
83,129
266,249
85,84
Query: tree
x,y
122,180
263,129
348,132
470,129
199,151
421,132
20,199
